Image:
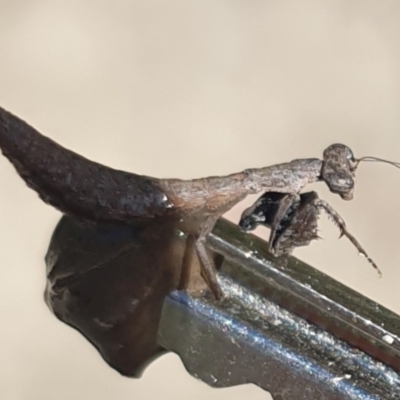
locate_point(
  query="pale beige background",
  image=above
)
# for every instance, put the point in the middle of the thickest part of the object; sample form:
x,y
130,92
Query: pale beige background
x,y
186,89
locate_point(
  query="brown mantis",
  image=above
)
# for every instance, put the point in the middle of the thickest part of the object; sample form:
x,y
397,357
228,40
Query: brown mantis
x,y
90,191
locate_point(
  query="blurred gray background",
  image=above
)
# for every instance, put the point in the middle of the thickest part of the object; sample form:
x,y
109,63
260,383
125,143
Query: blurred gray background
x,y
189,89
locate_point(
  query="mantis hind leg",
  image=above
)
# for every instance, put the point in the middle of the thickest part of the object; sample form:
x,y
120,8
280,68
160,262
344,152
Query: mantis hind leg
x,y
187,263
196,246
208,270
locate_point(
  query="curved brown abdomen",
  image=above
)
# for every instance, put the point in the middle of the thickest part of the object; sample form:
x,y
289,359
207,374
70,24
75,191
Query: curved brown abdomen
x,y
74,184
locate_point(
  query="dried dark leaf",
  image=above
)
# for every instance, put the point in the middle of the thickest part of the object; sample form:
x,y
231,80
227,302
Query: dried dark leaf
x,y
109,282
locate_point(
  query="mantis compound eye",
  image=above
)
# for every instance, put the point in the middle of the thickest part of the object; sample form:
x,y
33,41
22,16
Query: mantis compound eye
x,y
340,183
339,166
338,170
